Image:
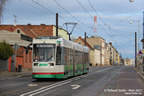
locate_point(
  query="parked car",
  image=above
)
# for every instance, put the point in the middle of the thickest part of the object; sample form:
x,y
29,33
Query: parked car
x,y
115,64
121,64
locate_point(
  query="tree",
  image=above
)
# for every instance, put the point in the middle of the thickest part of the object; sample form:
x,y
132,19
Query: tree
x,y
2,5
5,50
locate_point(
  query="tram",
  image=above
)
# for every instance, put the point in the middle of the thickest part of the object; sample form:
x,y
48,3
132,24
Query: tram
x,y
58,58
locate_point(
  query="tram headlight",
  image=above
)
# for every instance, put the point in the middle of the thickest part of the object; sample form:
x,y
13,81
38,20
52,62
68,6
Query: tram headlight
x,y
51,64
35,64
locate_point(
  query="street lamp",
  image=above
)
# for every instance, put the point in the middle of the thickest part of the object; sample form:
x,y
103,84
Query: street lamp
x,y
138,32
135,49
131,0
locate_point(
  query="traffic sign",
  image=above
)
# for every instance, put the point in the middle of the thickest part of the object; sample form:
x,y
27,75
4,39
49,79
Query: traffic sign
x,y
16,47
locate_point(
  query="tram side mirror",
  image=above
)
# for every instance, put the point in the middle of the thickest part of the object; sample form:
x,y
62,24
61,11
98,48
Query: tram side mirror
x,y
59,49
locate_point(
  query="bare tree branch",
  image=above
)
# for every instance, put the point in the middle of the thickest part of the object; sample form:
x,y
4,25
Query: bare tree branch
x,y
2,5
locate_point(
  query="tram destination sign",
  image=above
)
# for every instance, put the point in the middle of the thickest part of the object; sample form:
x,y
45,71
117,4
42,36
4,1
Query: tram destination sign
x,y
44,45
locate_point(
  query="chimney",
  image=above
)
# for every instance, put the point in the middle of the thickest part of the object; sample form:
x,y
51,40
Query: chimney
x,y
92,36
28,24
42,24
110,43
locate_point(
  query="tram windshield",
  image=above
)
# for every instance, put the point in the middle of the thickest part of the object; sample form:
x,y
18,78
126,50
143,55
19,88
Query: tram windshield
x,y
43,52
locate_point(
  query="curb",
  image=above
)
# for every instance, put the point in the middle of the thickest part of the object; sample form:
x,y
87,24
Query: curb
x,y
15,75
142,77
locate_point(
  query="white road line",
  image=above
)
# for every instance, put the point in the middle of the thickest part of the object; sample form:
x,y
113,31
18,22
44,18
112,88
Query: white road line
x,y
77,78
49,88
75,86
2,79
31,85
58,84
45,87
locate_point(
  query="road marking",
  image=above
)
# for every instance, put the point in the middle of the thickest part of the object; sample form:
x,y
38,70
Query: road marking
x,y
75,86
2,79
77,78
10,78
45,88
49,88
42,89
31,85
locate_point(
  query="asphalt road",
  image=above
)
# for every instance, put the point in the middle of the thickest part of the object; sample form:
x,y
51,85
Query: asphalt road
x,y
97,82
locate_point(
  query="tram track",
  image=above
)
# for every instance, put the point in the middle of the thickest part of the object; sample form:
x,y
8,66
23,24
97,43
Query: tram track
x,y
23,88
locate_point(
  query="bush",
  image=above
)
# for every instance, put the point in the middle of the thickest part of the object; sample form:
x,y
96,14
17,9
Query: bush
x,y
5,50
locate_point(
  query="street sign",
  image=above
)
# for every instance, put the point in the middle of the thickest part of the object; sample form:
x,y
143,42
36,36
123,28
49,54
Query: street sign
x,y
16,47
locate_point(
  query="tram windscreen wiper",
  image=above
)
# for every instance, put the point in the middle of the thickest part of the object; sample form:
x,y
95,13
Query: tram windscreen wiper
x,y
49,58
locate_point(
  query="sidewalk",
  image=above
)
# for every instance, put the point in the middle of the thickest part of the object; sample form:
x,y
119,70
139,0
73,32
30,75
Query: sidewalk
x,y
15,74
125,83
140,72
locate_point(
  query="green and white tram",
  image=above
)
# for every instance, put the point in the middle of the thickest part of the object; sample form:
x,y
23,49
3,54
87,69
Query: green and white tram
x,y
58,58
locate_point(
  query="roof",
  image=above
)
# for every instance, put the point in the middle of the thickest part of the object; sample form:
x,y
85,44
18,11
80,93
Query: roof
x,y
87,44
12,38
32,31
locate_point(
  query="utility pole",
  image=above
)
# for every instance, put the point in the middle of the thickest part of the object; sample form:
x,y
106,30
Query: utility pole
x,y
110,55
135,49
113,56
57,25
85,38
143,38
101,53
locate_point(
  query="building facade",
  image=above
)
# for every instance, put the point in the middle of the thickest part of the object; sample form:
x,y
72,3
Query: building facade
x,y
17,33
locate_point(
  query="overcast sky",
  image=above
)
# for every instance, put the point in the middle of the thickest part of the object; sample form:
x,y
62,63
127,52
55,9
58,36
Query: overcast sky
x,y
113,18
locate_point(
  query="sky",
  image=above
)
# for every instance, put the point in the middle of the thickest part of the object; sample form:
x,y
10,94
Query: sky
x,y
113,17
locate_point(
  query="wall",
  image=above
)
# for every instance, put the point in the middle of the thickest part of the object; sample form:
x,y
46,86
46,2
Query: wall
x,y
9,65
61,32
92,57
27,59
4,65
21,32
97,56
19,61
102,42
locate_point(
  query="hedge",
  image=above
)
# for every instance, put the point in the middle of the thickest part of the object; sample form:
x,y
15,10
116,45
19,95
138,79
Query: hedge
x,y
5,50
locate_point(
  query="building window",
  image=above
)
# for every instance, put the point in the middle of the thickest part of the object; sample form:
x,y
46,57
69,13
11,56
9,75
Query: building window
x,y
18,31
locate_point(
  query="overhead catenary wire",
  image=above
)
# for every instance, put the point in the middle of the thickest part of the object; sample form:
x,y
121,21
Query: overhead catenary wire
x,y
84,9
45,11
41,9
92,18
127,17
72,15
33,6
48,9
96,12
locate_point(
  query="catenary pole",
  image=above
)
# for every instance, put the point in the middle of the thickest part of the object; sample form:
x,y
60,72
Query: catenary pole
x,y
135,49
57,24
